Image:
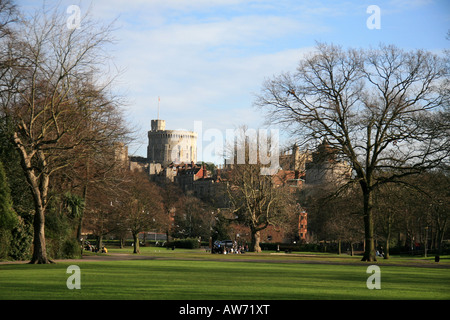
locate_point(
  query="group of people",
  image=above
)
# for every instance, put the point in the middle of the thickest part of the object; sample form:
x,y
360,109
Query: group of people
x,y
92,248
379,252
235,249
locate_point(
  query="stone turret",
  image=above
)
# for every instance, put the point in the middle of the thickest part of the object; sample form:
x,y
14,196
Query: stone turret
x,y
170,146
158,125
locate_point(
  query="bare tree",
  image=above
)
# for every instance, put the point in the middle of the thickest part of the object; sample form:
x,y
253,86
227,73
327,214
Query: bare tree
x,y
256,200
335,217
389,205
172,199
50,90
432,199
380,109
8,15
102,214
193,220
141,206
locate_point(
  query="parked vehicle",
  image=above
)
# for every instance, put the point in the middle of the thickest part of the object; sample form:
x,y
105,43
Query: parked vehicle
x,y
221,246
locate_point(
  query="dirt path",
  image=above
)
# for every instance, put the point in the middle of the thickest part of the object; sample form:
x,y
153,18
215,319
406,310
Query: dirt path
x,y
303,259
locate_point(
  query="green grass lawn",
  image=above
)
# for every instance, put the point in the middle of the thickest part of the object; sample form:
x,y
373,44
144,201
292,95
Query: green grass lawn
x,y
194,275
200,253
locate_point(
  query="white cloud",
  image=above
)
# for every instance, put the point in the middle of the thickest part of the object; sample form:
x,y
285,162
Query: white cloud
x,y
204,64
221,97
204,70
205,59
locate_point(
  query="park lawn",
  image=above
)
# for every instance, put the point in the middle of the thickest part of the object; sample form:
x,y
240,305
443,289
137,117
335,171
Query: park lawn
x,y
200,254
219,280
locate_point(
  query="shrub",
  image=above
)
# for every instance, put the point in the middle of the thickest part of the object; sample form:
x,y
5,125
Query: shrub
x,y
21,241
71,249
185,243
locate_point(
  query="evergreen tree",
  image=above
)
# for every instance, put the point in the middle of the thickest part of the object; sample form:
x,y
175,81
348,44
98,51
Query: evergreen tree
x,y
8,218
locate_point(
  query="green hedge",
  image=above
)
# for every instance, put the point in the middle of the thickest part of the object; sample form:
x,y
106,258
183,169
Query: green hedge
x,y
185,243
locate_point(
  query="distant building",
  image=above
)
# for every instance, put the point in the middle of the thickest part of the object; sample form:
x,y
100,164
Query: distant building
x,y
325,170
170,146
138,163
121,153
295,160
302,224
172,157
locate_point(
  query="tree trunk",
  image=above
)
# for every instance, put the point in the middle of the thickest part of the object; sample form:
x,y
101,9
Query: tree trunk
x,y
38,184
388,236
39,247
80,218
256,238
79,227
369,251
136,243
167,236
440,239
386,247
99,243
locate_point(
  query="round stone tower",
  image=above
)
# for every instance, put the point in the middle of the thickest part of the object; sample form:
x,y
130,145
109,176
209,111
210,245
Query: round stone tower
x,y
167,146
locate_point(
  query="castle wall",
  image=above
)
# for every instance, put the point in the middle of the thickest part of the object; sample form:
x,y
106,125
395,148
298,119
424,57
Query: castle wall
x,y
167,146
331,174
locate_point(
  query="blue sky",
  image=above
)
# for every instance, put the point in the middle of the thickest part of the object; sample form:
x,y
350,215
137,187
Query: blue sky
x,y
206,59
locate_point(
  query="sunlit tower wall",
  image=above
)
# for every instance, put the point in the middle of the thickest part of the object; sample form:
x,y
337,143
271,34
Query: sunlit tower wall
x,y
170,146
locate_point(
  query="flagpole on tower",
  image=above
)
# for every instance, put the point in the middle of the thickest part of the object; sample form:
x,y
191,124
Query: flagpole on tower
x,y
158,106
